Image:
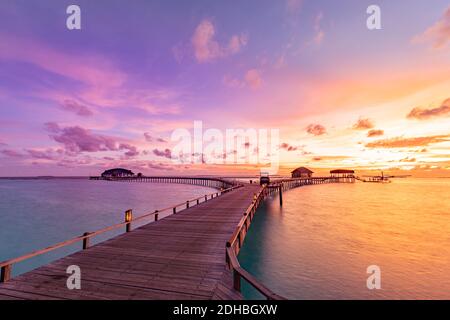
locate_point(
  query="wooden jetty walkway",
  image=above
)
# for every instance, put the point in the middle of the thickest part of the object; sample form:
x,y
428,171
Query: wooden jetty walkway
x,y
190,254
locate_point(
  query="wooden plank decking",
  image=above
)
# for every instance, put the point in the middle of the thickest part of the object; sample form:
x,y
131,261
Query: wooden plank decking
x,y
179,257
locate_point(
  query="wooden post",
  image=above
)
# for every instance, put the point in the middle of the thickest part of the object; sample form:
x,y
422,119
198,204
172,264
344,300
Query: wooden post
x,y
5,274
206,198
187,204
156,215
198,201
128,218
174,210
281,196
86,241
236,280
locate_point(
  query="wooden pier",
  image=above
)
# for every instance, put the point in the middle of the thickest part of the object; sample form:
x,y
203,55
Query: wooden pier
x,y
190,254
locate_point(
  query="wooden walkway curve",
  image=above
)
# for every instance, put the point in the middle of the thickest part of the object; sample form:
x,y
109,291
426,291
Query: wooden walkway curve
x,y
179,257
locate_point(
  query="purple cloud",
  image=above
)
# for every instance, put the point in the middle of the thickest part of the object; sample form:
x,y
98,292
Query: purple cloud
x,y
149,138
45,155
11,153
132,150
77,140
163,153
75,107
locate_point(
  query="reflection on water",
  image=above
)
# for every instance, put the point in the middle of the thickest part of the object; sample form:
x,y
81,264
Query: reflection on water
x,y
39,213
319,245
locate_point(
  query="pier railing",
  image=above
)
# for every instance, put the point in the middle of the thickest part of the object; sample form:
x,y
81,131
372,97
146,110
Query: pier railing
x,y
211,182
6,266
235,243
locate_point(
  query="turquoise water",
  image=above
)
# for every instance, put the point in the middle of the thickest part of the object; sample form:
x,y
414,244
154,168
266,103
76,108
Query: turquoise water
x,y
39,213
319,245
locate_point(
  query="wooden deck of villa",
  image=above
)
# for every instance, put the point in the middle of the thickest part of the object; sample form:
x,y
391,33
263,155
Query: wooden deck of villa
x,y
179,257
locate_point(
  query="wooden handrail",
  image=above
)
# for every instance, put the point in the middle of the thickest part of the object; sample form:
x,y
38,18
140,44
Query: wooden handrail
x,y
232,260
236,267
7,265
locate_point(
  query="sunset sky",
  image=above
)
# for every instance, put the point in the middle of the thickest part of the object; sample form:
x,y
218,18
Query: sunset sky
x,y
78,102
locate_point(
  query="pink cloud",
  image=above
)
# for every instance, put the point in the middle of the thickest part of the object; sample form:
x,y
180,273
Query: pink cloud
x,y
288,147
438,34
316,129
319,33
95,70
206,48
253,78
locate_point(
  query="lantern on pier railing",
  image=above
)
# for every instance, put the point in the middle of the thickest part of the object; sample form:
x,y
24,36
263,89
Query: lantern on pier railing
x,y
128,215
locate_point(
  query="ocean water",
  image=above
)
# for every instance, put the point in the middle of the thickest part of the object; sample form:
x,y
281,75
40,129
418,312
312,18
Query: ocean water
x,y
320,243
39,213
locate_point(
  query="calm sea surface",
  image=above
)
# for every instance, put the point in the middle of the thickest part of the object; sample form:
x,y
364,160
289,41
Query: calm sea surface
x,y
39,213
319,245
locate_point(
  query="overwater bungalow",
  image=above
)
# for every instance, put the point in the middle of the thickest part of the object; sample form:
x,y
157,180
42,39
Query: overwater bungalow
x,y
342,173
302,172
117,172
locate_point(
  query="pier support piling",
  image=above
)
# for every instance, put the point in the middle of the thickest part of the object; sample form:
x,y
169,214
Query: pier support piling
x,y
281,195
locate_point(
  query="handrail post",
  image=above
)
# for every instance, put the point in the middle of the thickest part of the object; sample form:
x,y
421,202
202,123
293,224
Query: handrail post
x,y
5,273
86,241
156,215
281,195
198,201
236,280
174,210
187,204
128,218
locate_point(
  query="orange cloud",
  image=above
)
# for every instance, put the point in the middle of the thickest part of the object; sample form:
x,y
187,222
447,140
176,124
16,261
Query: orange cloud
x,y
400,142
323,158
363,124
375,133
423,114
